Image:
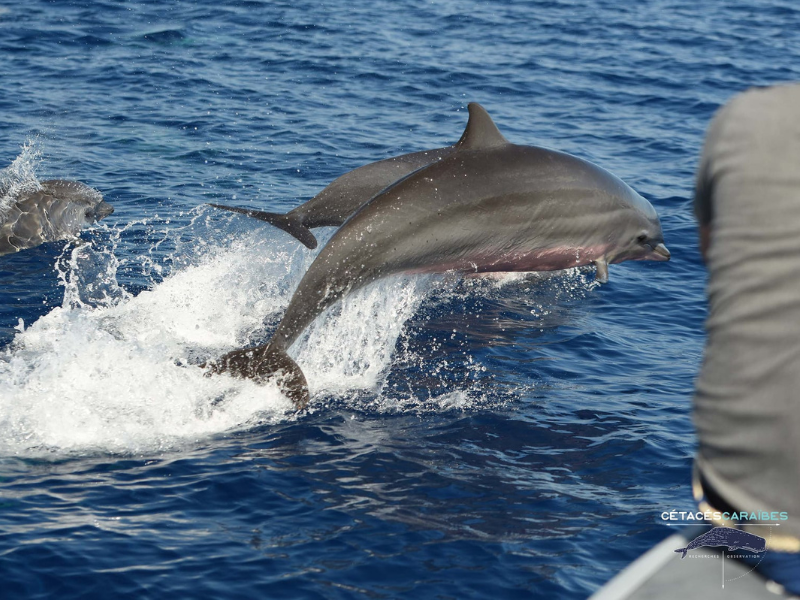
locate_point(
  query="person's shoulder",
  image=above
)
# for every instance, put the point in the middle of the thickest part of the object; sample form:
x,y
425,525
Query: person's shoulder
x,y
758,97
757,104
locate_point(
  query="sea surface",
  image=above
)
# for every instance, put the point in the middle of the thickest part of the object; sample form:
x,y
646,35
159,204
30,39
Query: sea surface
x,y
467,438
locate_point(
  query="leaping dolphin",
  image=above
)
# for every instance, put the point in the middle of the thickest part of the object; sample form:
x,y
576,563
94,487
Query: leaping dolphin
x,y
346,194
56,211
488,206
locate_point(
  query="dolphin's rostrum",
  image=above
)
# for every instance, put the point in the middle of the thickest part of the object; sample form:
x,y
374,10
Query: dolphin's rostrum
x,y
487,206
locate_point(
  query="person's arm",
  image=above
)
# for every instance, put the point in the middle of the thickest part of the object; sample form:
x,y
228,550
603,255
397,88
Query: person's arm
x,y
702,205
705,239
704,185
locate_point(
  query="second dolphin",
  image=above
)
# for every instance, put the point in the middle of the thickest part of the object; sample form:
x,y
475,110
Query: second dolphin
x,y
345,194
55,211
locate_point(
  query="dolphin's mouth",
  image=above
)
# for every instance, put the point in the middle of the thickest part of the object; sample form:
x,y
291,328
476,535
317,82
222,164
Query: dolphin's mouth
x,y
661,250
102,210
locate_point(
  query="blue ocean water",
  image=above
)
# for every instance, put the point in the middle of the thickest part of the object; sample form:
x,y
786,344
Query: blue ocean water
x,y
466,439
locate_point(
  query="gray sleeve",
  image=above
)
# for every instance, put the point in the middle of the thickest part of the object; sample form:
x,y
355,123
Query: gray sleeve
x,y
704,183
702,192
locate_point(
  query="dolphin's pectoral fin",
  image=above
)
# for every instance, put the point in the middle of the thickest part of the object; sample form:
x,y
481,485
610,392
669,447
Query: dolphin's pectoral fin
x,y
261,364
291,224
683,551
602,270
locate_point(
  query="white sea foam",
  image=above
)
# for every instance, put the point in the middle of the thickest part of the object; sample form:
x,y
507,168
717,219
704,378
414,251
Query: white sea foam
x,y
107,371
350,346
116,376
111,372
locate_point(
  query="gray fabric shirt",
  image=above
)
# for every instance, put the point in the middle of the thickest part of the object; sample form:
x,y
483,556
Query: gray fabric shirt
x,y
747,400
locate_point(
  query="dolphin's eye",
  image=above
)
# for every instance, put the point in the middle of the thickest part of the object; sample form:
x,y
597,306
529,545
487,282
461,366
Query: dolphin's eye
x,y
642,238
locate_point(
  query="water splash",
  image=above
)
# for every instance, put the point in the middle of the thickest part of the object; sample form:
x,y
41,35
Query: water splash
x,y
20,176
351,345
110,371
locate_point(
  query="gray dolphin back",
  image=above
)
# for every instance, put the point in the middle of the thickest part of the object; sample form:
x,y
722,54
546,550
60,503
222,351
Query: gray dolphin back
x,y
343,196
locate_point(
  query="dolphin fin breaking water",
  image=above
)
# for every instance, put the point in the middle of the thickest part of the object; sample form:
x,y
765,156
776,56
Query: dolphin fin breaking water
x,y
266,362
601,275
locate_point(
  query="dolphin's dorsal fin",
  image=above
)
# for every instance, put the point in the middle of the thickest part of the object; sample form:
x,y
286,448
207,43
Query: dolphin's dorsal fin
x,y
481,132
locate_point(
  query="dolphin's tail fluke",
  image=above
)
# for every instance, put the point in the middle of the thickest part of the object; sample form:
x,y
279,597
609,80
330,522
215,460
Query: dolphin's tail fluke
x,y
291,224
683,550
261,364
